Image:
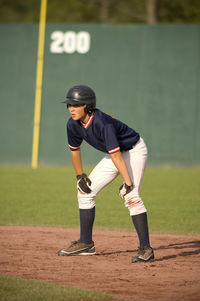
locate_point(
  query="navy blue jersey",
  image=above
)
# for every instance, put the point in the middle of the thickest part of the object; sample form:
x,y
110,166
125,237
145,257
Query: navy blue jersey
x,y
103,132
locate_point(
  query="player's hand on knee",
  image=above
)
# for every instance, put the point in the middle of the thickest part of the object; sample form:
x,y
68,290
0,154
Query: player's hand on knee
x,y
83,183
125,189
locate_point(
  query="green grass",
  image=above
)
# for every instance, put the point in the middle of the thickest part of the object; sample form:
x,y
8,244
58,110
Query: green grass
x,y
47,196
17,289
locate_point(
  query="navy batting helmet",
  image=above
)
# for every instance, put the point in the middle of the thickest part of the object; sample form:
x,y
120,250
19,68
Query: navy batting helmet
x,y
81,95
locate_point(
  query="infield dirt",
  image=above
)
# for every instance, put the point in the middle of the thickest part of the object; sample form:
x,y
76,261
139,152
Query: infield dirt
x,y
31,252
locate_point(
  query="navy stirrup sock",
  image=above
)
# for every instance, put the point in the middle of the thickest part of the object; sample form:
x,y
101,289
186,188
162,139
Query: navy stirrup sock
x,y
86,224
141,225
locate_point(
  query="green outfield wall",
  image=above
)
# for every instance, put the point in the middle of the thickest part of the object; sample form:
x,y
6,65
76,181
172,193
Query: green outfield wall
x,y
147,76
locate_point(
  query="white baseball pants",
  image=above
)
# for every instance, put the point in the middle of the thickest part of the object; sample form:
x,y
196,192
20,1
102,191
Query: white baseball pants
x,y
105,172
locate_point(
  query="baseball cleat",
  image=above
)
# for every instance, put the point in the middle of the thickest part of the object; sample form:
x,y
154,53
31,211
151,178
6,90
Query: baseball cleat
x,y
78,248
144,254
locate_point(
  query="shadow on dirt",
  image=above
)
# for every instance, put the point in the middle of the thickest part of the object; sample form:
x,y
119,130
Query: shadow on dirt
x,y
194,245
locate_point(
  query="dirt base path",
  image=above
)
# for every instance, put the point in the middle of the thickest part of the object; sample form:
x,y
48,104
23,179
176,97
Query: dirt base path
x,y
30,252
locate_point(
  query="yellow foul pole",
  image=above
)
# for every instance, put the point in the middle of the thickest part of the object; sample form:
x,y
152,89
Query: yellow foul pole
x,y
38,88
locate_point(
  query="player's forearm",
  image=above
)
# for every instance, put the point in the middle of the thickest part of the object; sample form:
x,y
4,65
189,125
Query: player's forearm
x,y
77,162
119,162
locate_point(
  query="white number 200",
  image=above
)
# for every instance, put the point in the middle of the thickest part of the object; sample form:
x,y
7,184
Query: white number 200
x,y
70,42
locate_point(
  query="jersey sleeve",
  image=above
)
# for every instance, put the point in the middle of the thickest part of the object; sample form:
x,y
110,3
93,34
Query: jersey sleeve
x,y
111,142
74,139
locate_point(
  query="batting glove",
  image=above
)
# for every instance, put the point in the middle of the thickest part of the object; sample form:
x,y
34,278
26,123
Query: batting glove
x,y
125,189
83,183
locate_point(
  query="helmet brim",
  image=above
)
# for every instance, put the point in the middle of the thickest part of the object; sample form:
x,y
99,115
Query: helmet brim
x,y
73,102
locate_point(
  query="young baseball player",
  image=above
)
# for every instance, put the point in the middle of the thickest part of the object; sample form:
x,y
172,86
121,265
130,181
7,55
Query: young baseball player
x,y
125,154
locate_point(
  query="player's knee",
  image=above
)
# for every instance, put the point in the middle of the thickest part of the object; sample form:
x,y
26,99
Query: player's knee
x,y
135,205
86,201
134,202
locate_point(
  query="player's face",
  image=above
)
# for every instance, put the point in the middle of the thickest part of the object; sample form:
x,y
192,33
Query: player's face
x,y
77,112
